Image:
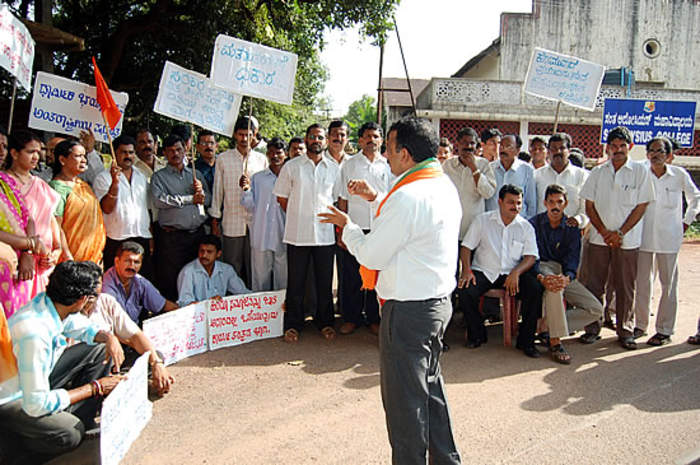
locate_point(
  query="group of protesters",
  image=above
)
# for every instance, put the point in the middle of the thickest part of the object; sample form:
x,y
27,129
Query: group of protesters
x,y
92,244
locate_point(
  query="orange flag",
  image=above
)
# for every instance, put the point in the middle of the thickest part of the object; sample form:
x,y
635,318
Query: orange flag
x,y
104,98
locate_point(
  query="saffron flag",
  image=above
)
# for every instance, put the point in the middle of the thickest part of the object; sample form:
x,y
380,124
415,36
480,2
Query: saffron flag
x,y
104,97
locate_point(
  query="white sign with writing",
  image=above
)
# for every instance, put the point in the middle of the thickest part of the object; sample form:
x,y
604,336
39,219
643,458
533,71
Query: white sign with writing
x,y
16,48
252,69
68,107
179,334
188,96
125,412
564,78
244,318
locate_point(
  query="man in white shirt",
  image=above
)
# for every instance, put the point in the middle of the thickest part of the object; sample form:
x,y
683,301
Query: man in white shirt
x,y
538,152
371,166
559,171
616,193
509,169
491,143
230,219
337,141
305,187
663,226
412,244
505,249
123,194
148,162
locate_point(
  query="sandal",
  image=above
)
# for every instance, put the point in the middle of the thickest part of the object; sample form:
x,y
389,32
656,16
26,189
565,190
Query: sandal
x,y
560,355
291,335
328,333
628,343
588,338
694,340
659,339
637,333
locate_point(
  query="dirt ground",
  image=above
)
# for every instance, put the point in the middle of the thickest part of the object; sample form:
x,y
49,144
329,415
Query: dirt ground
x,y
319,403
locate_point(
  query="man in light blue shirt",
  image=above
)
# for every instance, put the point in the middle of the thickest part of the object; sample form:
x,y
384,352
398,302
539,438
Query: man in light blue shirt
x,y
268,252
511,170
206,277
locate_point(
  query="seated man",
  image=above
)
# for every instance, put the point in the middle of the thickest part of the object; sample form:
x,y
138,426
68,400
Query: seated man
x,y
206,277
505,250
38,414
135,294
559,246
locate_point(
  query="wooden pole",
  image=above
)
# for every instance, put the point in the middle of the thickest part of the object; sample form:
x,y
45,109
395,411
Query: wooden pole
x,y
109,138
200,207
12,105
250,117
556,117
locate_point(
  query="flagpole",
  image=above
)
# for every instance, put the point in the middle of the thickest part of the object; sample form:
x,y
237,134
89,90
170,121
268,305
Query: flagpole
x,y
12,105
109,138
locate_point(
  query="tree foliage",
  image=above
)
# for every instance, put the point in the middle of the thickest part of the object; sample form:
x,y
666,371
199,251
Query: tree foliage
x,y
132,39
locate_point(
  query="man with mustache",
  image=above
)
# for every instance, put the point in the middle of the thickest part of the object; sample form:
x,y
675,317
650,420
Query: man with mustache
x,y
95,162
337,141
617,194
538,152
560,171
509,169
360,307
559,246
663,227
206,162
123,194
146,147
505,249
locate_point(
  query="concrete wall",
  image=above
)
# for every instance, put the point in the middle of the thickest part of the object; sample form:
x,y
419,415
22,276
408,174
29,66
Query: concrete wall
x,y
487,68
610,32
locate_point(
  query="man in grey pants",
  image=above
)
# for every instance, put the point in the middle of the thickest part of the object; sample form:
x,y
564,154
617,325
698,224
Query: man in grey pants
x,y
410,255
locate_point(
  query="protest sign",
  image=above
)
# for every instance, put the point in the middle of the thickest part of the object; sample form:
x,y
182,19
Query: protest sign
x,y
188,96
564,78
253,69
647,119
68,107
179,334
244,318
125,412
17,48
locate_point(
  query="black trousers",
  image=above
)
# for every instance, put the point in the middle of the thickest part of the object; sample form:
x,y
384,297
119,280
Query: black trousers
x,y
110,252
355,301
298,258
530,296
175,249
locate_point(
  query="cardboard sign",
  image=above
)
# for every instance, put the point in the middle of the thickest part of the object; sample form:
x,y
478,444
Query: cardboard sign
x,y
125,412
188,96
17,48
571,80
647,119
68,107
179,334
244,318
252,69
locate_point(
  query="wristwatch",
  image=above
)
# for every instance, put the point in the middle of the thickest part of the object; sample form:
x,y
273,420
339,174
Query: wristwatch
x,y
620,233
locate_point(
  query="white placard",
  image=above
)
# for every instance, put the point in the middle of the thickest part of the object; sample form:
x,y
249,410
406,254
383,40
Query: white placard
x,y
564,78
179,334
244,318
16,48
68,107
188,96
125,412
252,69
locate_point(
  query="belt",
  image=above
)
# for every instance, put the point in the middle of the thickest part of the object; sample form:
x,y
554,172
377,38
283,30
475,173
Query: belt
x,y
171,229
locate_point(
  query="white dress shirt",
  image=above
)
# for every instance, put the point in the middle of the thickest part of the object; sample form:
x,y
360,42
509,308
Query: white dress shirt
x,y
130,215
519,174
377,174
309,189
498,248
227,193
194,283
472,197
615,195
572,178
662,223
345,158
413,242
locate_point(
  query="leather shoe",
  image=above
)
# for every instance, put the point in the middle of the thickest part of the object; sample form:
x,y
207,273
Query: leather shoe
x,y
473,344
531,351
347,328
374,328
628,343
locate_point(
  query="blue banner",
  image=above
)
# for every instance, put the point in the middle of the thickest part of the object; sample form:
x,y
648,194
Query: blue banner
x,y
647,119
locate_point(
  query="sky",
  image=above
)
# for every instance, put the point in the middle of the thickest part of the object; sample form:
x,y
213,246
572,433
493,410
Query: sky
x,y
438,37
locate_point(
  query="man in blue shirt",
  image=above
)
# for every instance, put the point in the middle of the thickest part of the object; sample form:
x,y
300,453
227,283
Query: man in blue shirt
x,y
559,246
206,277
511,170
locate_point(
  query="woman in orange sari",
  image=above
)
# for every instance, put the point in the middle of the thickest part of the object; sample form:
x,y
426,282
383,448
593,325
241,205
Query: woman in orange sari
x,y
78,211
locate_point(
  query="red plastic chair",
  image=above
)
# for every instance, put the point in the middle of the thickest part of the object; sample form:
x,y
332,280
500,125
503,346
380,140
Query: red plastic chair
x,y
510,310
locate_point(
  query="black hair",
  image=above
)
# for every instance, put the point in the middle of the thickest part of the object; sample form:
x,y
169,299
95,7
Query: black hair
x,y
416,135
123,140
211,239
70,281
295,140
621,133
538,139
576,157
129,246
555,189
313,126
338,123
560,137
143,130
516,138
242,124
487,134
276,143
369,126
509,189
524,156
18,141
62,149
204,133
3,131
668,145
471,132
171,140
445,142
181,130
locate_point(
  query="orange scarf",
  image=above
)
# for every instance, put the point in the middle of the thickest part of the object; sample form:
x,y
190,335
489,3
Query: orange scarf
x,y
427,169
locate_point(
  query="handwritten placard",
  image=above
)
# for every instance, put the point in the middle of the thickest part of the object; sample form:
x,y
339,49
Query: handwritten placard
x,y
244,318
188,96
252,69
68,107
125,412
179,334
17,47
564,78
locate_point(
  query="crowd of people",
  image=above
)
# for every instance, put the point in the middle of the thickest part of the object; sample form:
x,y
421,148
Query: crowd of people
x,y
92,245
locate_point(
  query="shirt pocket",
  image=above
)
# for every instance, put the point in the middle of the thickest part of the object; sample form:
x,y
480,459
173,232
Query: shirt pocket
x,y
628,195
671,198
516,249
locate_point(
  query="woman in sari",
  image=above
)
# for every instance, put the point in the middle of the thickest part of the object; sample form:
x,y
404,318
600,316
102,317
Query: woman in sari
x,y
41,201
78,212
